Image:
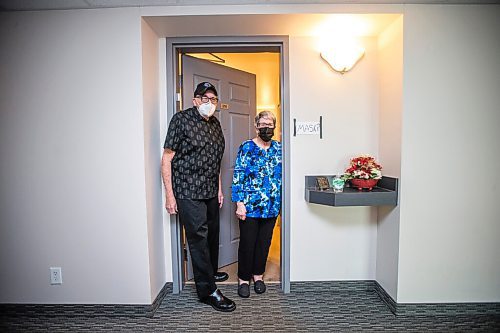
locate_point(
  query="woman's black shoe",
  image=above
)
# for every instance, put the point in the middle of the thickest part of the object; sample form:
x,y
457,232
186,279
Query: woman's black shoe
x,y
259,287
244,290
219,302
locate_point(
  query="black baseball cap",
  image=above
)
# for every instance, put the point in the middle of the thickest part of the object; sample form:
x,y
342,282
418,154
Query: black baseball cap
x,y
202,88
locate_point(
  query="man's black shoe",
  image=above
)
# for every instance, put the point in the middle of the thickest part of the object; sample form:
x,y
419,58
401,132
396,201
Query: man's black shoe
x,y
219,302
221,276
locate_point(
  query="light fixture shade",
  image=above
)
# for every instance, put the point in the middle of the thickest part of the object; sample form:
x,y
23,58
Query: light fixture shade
x,y
342,56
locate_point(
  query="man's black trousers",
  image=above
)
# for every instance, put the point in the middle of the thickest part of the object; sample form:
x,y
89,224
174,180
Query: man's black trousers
x,y
200,219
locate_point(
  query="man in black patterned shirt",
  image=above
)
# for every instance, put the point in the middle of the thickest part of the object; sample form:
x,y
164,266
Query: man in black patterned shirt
x,y
191,164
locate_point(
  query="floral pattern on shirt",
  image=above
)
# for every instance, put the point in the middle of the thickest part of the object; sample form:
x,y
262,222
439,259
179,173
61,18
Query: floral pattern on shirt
x,y
257,179
198,145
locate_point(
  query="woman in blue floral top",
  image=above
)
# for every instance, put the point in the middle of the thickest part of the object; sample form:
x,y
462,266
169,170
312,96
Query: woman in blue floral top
x,y
256,189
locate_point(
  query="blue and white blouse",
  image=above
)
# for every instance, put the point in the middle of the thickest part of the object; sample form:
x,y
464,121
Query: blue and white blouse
x,y
257,179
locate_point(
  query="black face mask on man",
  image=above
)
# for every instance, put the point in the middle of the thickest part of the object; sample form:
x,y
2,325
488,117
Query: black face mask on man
x,y
266,133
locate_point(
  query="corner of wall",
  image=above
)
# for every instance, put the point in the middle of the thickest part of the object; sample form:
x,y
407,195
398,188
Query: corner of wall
x,y
390,45
152,157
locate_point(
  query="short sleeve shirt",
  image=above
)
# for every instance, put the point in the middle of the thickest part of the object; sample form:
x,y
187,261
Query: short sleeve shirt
x,y
198,145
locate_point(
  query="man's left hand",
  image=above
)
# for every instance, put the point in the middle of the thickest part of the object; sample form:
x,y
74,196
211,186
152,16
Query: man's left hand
x,y
221,199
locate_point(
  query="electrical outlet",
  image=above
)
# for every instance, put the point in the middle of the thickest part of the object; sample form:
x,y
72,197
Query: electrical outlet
x,y
55,275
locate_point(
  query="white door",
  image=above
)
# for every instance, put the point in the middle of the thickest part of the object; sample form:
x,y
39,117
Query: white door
x,y
236,109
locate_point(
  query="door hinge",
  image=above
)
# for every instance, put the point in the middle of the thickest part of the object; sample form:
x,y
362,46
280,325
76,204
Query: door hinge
x,y
179,88
185,254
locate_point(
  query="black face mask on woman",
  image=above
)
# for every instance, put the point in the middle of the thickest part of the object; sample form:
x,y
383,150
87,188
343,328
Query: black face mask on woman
x,y
266,133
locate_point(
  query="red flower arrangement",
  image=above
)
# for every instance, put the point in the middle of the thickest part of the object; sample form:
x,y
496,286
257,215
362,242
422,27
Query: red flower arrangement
x,y
363,167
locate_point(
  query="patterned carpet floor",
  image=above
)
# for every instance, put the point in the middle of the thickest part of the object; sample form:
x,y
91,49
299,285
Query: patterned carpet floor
x,y
310,307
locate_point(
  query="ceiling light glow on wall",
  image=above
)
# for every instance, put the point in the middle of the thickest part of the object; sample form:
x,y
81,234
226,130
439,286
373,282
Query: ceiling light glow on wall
x,y
342,53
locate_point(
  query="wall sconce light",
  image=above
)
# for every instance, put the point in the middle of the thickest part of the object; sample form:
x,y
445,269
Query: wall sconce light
x,y
342,55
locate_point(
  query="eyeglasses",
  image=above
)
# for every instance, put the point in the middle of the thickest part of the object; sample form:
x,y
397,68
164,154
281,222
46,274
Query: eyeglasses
x,y
260,125
205,99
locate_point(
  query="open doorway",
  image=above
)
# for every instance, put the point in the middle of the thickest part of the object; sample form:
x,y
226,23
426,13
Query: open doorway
x,y
250,84
266,63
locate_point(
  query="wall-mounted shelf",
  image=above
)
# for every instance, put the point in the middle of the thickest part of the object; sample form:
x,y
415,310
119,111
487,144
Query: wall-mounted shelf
x,y
384,194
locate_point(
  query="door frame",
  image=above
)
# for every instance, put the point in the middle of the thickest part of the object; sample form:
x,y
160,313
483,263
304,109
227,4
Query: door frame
x,y
174,46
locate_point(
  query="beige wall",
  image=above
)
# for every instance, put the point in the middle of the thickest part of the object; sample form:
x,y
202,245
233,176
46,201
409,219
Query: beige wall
x,y
450,230
73,184
390,75
157,234
342,239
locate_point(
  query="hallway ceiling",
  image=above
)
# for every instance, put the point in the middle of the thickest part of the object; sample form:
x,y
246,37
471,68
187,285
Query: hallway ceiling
x,y
16,5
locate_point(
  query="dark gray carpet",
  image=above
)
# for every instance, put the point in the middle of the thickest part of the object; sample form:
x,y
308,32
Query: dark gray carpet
x,y
310,307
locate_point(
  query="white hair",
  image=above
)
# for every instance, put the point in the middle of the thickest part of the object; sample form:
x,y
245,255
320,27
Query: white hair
x,y
265,114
